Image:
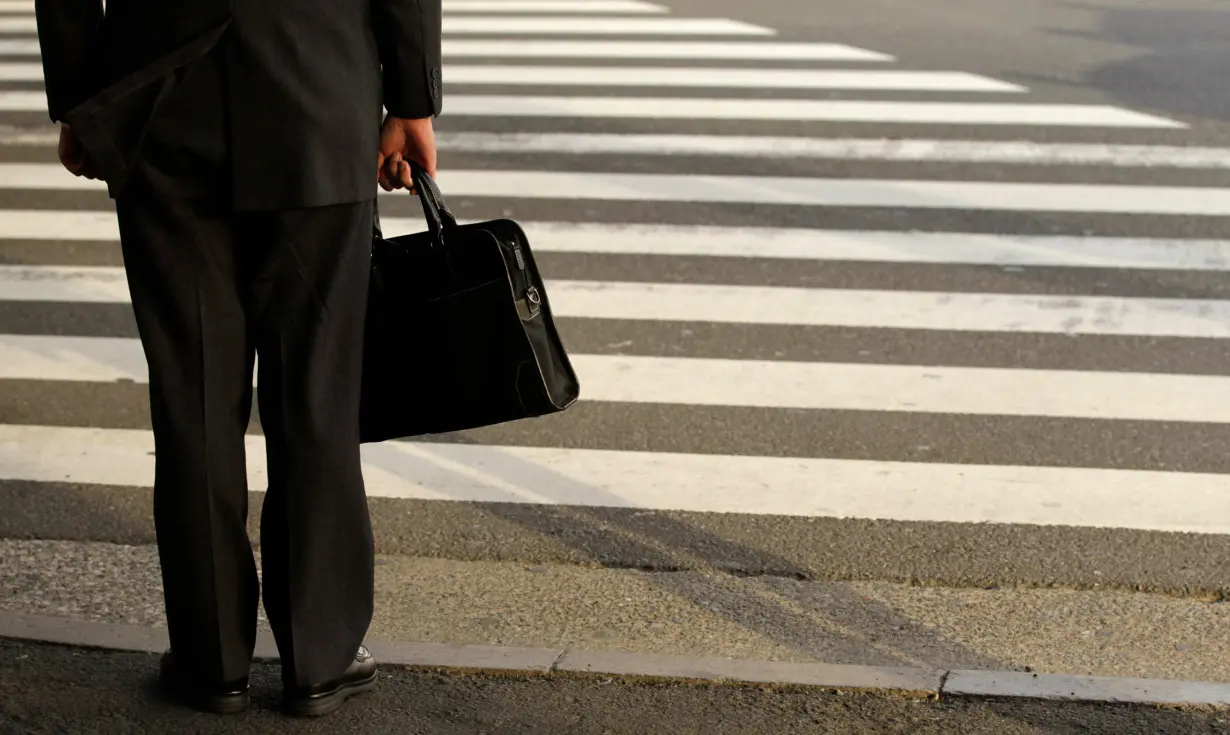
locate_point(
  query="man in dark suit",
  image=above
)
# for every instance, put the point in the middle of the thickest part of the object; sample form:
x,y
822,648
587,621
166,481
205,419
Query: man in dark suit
x,y
242,142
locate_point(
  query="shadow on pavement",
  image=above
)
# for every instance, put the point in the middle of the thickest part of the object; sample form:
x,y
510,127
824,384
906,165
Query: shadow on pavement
x,y
1181,67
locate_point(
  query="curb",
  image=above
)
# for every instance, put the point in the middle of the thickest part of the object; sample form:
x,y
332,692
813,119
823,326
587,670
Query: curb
x,y
478,658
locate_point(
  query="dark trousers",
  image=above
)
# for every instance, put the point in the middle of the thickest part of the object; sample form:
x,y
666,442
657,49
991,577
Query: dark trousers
x,y
211,290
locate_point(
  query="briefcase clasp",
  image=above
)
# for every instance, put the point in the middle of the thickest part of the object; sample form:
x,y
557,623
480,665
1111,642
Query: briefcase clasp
x,y
527,308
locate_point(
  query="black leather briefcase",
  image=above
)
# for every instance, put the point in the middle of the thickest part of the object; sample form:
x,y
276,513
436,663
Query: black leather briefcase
x,y
459,332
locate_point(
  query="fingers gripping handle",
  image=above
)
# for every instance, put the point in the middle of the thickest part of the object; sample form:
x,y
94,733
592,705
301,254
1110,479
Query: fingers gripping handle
x,y
435,211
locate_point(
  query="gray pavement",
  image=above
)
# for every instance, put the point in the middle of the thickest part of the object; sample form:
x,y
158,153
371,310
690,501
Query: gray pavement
x,y
986,556
98,692
705,612
1076,597
1163,56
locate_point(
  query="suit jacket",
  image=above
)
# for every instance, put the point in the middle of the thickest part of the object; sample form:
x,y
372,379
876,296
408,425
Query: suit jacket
x,y
305,82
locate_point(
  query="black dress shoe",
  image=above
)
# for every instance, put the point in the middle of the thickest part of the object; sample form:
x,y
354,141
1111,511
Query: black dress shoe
x,y
321,699
223,698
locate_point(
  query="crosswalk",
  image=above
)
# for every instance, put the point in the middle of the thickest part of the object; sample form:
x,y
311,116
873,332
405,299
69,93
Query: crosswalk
x,y
806,305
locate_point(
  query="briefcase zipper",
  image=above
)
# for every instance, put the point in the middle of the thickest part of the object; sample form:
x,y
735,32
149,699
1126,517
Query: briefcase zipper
x,y
528,305
515,247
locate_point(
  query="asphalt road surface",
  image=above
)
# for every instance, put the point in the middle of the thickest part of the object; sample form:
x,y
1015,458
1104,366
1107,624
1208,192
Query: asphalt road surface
x,y
879,291
432,703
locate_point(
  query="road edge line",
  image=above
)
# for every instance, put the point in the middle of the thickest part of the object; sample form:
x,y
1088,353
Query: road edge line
x,y
531,661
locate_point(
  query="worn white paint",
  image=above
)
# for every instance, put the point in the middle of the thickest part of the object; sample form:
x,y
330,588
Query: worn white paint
x,y
601,26
800,487
804,110
782,190
757,242
767,384
984,312
579,7
1022,152
673,49
732,78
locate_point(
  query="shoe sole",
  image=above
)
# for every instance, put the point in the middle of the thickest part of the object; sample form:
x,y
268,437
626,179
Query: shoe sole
x,y
223,705
327,703
227,704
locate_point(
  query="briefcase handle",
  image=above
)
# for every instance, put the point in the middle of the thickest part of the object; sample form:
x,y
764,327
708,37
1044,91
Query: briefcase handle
x,y
435,210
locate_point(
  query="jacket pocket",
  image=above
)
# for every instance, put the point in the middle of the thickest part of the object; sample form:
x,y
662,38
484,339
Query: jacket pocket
x,y
111,124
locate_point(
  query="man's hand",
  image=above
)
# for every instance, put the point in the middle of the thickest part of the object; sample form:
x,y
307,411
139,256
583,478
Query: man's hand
x,y
401,141
73,155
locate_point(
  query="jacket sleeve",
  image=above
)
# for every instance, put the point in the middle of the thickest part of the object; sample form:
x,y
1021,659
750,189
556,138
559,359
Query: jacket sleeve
x,y
408,36
68,35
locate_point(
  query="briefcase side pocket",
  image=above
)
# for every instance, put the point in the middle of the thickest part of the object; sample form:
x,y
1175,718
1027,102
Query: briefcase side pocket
x,y
558,376
551,374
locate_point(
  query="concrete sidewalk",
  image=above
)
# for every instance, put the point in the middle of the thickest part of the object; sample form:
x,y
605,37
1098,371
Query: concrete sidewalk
x,y
567,620
693,613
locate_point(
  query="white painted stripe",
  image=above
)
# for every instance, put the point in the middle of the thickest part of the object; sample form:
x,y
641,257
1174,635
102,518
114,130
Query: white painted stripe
x,y
21,71
804,191
865,246
42,357
768,384
607,49
21,7
645,76
804,110
988,312
790,486
518,25
947,113
46,176
757,242
12,100
24,46
675,49
780,190
883,149
1191,318
751,242
553,6
15,135
18,24
600,76
51,224
73,284
508,25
